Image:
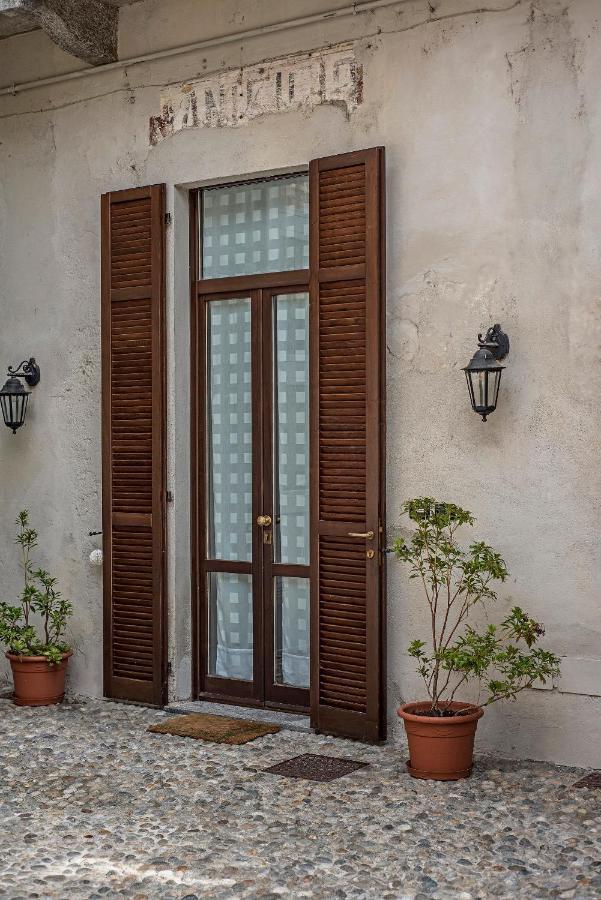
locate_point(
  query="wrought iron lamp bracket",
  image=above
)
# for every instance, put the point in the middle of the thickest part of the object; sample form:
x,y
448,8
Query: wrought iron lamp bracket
x,y
496,341
28,370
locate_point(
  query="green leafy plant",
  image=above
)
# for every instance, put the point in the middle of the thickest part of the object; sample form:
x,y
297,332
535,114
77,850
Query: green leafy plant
x,y
39,598
501,658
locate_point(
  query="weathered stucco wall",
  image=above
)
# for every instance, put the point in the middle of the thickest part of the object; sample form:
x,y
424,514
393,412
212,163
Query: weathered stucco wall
x,y
492,126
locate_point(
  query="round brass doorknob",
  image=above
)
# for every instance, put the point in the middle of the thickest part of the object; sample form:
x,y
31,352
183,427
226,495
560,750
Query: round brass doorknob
x,y
264,521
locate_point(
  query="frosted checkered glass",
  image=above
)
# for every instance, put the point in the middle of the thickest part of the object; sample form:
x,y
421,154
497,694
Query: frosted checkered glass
x,y
256,227
229,430
230,626
291,428
292,631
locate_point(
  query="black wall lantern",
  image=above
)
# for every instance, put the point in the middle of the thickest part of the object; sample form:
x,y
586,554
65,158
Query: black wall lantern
x,y
14,397
483,372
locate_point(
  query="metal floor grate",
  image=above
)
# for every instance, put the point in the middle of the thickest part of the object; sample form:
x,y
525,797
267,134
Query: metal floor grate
x,y
316,768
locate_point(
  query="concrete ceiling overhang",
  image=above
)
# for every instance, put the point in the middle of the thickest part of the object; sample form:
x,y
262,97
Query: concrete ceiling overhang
x,y
87,30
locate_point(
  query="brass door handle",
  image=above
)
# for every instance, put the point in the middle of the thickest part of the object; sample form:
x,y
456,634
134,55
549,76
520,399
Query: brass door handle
x,y
264,521
368,535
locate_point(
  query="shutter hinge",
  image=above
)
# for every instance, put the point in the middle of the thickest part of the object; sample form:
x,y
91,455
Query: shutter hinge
x,y
169,496
168,218
169,669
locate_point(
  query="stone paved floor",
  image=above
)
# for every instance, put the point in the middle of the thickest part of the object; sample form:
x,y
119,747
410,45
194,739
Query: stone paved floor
x,y
92,806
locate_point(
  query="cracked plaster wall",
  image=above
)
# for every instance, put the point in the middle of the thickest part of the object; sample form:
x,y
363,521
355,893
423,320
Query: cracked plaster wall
x,y
492,125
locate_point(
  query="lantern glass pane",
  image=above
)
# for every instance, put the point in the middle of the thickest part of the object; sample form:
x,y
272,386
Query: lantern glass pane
x,y
470,387
480,389
5,400
22,408
494,382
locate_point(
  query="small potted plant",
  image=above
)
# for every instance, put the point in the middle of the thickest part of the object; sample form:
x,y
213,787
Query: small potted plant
x,y
38,655
502,659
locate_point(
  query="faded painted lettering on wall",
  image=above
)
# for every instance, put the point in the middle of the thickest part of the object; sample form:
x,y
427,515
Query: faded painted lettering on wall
x,y
232,98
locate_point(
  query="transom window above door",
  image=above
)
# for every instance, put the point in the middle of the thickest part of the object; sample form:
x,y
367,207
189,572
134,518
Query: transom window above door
x,y
255,227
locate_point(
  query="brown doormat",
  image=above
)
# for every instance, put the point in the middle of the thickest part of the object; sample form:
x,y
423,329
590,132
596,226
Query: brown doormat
x,y
316,768
591,781
219,729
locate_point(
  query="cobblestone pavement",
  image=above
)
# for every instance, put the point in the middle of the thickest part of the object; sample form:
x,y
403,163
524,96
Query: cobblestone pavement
x,y
92,806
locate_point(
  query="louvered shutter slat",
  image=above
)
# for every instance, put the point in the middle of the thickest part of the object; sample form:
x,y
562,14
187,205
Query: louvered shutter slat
x,y
133,443
346,279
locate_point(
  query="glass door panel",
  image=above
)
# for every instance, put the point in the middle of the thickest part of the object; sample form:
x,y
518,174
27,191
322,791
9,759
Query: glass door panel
x,y
291,623
255,536
229,430
229,489
287,483
230,626
291,428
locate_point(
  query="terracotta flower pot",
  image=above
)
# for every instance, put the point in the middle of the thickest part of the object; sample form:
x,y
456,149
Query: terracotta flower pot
x,y
440,748
38,682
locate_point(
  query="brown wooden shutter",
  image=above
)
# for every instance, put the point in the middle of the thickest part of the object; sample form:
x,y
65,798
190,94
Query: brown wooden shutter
x,y
347,443
133,443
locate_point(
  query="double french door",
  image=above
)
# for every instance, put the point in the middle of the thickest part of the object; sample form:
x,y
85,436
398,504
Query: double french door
x,y
253,534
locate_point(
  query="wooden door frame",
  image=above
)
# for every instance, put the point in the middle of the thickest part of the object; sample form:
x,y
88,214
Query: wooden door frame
x,y
258,287
212,686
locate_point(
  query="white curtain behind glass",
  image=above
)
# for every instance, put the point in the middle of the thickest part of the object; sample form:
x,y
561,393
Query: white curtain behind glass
x,y
291,481
255,227
229,488
246,229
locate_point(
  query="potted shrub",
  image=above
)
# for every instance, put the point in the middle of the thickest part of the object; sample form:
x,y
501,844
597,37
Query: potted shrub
x,y
502,659
33,630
